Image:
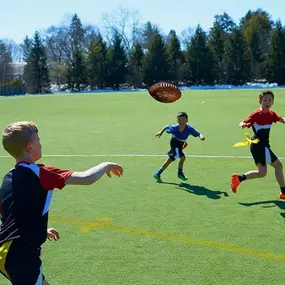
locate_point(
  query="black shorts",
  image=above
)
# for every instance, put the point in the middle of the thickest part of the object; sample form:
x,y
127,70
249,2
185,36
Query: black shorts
x,y
176,147
262,154
21,263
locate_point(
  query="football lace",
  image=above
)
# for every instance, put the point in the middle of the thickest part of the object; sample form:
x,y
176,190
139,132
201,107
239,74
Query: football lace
x,y
167,85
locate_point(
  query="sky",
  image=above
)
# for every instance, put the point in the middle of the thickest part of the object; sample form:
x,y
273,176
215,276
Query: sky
x,y
19,18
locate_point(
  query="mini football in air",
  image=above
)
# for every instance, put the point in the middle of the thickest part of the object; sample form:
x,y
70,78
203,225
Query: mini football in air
x,y
164,92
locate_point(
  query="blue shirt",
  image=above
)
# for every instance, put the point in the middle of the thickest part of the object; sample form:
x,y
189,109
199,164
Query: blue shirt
x,y
182,136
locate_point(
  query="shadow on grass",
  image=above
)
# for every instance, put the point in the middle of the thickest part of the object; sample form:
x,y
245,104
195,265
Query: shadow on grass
x,y
268,204
199,190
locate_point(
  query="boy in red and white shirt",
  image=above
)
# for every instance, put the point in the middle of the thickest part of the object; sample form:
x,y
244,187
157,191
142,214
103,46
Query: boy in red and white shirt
x,y
261,122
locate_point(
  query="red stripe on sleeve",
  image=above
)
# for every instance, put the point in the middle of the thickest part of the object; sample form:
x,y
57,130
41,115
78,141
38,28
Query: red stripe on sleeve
x,y
250,119
52,177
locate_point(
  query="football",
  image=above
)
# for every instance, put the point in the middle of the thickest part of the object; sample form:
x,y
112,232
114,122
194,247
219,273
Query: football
x,y
164,92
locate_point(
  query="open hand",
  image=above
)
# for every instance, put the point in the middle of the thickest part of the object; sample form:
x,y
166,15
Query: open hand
x,y
114,168
159,134
243,125
53,234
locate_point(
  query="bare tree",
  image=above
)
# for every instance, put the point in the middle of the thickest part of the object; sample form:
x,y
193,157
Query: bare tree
x,y
61,42
14,49
90,33
6,69
186,36
122,22
57,52
55,42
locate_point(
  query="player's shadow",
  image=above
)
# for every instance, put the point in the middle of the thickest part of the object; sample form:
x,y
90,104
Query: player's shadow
x,y
199,190
268,204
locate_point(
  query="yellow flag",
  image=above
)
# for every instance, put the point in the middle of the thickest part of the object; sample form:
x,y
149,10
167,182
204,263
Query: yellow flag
x,y
247,142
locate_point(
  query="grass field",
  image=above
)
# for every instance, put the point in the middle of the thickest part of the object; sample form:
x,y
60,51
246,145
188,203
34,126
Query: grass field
x,y
132,230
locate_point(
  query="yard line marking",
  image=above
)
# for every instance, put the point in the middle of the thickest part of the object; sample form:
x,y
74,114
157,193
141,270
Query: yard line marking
x,y
140,155
143,155
102,223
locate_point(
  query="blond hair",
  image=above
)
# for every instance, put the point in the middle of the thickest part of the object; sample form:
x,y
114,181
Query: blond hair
x,y
17,135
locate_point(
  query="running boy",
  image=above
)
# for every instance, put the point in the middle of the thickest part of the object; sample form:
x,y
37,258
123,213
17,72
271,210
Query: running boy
x,y
180,132
25,197
261,121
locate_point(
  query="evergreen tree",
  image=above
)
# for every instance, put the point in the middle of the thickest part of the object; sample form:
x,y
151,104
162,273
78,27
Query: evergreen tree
x,y
6,71
237,59
217,40
275,63
257,28
149,31
97,62
77,71
226,23
118,63
26,48
76,32
135,77
174,56
155,64
199,59
36,71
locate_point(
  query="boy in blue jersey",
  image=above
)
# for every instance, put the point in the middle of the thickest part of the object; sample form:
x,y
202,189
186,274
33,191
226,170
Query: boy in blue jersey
x,y
180,132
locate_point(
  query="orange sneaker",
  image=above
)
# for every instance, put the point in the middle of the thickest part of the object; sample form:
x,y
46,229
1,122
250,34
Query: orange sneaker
x,y
282,196
234,182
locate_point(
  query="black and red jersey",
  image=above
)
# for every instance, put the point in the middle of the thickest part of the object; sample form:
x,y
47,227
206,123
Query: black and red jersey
x,y
25,197
261,124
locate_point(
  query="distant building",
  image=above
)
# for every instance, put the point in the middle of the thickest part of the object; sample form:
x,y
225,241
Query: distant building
x,y
18,68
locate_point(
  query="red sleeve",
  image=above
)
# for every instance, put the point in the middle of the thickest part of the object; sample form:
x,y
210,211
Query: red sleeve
x,y
250,119
276,117
52,177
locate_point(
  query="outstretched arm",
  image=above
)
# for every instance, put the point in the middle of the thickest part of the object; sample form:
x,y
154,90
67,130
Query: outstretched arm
x,y
93,174
196,134
248,122
282,120
202,138
159,134
243,125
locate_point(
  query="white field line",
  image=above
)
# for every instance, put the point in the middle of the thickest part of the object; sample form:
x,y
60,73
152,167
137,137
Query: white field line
x,y
143,155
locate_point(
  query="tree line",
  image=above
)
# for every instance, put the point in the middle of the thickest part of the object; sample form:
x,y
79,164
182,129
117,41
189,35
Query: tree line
x,y
137,55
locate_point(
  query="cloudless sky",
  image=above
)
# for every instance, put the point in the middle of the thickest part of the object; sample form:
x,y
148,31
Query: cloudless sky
x,y
22,17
